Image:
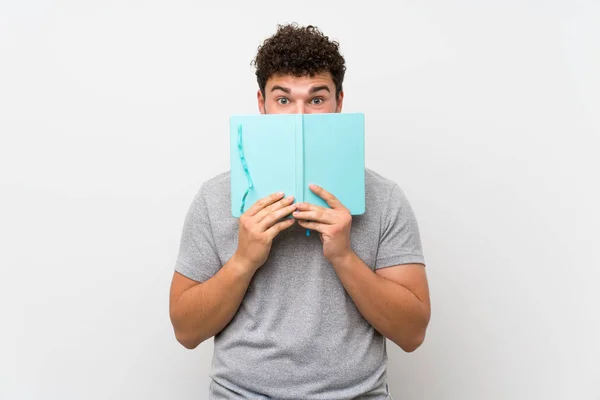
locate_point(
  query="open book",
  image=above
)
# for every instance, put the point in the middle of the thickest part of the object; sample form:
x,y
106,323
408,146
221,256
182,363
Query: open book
x,y
286,152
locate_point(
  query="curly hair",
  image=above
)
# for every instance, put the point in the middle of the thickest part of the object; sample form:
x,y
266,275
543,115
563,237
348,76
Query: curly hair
x,y
299,51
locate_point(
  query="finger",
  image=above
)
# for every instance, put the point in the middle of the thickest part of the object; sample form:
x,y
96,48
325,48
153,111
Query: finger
x,y
317,216
275,216
315,226
273,207
322,214
278,227
310,207
262,203
325,195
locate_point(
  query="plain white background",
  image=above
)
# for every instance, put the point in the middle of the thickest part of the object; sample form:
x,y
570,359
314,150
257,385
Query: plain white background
x,y
113,113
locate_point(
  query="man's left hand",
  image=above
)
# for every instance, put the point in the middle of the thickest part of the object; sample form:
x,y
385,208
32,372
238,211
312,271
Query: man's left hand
x,y
332,223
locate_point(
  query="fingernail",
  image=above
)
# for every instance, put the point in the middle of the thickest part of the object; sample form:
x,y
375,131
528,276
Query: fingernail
x,y
279,193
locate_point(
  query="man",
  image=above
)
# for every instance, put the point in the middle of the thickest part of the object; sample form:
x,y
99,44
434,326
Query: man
x,y
296,316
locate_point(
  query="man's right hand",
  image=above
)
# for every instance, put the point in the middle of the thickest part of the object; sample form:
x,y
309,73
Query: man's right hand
x,y
258,227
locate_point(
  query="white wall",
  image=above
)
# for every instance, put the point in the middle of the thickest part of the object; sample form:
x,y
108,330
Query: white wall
x,y
112,113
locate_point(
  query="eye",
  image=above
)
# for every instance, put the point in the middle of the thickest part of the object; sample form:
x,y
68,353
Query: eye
x,y
317,100
282,100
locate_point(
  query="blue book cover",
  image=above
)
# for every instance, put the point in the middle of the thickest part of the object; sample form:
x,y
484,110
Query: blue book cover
x,y
286,152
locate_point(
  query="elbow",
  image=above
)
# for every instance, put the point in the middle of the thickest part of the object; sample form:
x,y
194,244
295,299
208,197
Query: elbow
x,y
411,344
187,341
410,340
188,338
188,344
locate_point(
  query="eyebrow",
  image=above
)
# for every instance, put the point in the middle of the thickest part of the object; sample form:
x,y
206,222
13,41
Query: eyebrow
x,y
314,89
319,88
277,87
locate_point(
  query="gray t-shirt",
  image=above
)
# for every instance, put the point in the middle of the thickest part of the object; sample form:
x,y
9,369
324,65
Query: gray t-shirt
x,y
297,333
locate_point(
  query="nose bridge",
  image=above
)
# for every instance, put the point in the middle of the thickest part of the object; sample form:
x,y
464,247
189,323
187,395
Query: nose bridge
x,y
300,107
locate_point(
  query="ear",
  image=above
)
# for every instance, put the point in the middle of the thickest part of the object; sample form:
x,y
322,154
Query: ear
x,y
340,101
261,102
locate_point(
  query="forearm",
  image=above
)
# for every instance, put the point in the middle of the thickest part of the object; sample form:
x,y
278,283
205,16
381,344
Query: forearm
x,y
393,310
205,309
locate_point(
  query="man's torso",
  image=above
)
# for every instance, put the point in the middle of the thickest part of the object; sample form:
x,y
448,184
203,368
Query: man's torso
x,y
297,333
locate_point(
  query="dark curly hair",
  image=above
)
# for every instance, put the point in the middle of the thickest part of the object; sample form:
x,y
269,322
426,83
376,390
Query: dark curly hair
x,y
299,51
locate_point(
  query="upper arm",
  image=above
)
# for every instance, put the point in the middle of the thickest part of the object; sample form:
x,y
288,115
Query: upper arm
x,y
179,284
411,276
399,237
400,254
198,258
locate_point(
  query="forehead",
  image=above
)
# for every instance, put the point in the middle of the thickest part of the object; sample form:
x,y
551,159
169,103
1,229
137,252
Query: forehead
x,y
300,84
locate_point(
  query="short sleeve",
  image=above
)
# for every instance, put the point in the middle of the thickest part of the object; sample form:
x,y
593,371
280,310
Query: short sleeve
x,y
399,239
198,258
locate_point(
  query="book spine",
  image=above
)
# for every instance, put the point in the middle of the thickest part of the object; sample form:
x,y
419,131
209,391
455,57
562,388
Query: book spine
x,y
299,130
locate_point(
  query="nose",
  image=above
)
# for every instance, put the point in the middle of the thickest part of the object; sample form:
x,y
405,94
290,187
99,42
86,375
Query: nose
x,y
300,108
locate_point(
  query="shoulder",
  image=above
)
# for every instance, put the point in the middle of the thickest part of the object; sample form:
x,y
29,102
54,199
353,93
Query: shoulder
x,y
217,186
381,190
213,193
214,187
386,200
374,181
